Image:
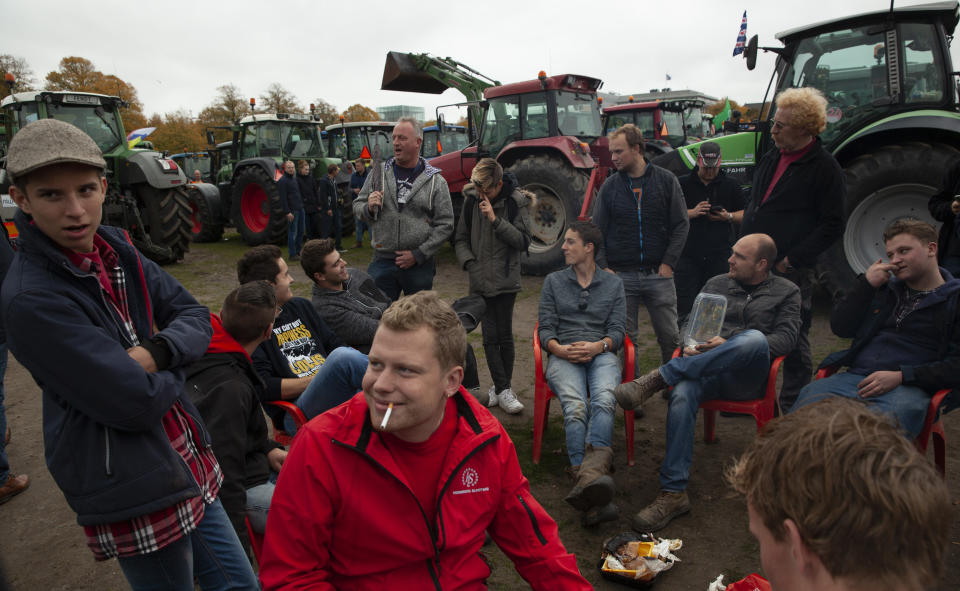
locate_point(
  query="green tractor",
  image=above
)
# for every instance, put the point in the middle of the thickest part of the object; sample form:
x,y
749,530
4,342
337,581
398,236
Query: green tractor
x,y
893,121
147,193
247,178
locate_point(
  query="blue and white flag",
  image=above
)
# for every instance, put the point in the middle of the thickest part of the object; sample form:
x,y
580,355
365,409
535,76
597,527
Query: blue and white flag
x,y
741,37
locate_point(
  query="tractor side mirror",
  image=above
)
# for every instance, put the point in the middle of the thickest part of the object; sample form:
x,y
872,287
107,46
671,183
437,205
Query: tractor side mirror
x,y
440,123
750,53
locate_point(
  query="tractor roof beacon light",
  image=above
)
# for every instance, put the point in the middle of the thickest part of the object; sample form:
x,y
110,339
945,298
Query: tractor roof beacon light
x,y
542,77
630,99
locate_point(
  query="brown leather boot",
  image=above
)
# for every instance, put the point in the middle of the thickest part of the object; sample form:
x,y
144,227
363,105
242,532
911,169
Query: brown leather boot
x,y
13,486
595,486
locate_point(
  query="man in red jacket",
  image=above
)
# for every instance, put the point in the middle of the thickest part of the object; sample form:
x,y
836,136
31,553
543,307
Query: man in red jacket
x,y
394,488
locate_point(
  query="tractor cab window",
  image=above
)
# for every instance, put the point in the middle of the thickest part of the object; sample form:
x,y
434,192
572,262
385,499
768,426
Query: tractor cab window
x,y
27,113
355,141
850,67
613,122
269,140
671,127
501,124
249,147
336,144
97,122
922,81
578,114
536,120
300,141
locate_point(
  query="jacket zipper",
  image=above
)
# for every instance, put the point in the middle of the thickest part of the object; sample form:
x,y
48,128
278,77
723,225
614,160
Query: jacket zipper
x,y
433,565
446,485
533,520
106,444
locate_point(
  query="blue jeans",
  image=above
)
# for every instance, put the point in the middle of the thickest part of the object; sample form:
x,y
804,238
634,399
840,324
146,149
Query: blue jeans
x,y
659,295
361,227
907,404
391,279
337,227
337,380
212,553
4,464
736,370
295,231
258,503
572,382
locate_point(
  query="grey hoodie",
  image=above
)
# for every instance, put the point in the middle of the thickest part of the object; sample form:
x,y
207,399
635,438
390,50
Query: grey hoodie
x,y
422,225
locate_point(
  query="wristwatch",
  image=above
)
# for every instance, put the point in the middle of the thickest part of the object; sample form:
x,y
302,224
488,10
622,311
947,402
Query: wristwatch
x,y
606,347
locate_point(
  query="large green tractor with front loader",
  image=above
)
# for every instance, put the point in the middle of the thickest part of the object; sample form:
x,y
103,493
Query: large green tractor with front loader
x,y
893,121
147,194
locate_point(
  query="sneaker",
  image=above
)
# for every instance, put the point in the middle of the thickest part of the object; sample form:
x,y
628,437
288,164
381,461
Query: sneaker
x,y
492,397
13,486
661,511
632,395
509,402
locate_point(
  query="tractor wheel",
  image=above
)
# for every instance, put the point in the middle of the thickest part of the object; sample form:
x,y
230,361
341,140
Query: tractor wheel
x,y
166,218
559,189
204,223
256,210
892,182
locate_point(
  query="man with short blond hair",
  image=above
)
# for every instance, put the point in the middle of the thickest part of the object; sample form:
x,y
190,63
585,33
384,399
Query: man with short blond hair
x,y
412,471
406,203
641,211
839,501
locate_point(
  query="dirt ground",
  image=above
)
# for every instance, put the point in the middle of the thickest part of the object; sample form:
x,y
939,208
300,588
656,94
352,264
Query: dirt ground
x,y
42,547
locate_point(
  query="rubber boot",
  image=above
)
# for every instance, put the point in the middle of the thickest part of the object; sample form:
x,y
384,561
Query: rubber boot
x,y
594,486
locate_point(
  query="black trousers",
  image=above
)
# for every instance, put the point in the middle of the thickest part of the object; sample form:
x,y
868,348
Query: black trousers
x,y
497,327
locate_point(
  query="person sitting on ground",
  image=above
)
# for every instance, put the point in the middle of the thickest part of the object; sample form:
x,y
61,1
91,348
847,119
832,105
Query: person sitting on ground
x,y
491,235
582,322
223,385
761,322
347,299
395,489
303,361
903,318
840,501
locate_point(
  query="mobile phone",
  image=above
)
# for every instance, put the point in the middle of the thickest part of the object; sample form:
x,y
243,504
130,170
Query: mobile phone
x,y
715,209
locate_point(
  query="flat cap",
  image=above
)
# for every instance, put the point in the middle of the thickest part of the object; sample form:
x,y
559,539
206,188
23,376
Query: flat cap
x,y
50,141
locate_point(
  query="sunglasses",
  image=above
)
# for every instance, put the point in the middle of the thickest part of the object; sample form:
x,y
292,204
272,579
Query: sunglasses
x,y
582,304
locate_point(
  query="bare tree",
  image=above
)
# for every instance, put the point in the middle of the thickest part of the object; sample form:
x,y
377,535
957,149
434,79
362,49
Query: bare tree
x,y
327,113
278,99
22,74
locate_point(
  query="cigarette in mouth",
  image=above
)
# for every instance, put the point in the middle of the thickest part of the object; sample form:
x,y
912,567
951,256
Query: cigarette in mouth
x,y
386,416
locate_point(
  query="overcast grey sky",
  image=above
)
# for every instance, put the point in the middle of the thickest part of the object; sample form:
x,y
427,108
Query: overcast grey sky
x,y
177,53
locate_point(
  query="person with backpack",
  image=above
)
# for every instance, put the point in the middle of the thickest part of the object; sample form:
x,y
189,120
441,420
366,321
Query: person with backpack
x,y
491,235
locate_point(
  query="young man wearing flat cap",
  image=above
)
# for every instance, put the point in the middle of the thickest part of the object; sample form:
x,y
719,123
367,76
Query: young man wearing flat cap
x,y
106,334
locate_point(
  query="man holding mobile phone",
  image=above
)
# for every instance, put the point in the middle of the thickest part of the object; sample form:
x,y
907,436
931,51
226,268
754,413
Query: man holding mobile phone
x,y
714,206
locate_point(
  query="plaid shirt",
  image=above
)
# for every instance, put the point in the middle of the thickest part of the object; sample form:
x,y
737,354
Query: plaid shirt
x,y
149,533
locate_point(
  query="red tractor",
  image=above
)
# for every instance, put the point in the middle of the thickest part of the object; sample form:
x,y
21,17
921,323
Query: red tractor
x,y
540,130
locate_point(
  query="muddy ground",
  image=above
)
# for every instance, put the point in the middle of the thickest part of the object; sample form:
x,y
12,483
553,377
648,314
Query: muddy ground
x,y
42,547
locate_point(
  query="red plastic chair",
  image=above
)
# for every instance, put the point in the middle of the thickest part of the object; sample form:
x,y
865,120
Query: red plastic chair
x,y
299,419
542,395
932,425
256,540
762,409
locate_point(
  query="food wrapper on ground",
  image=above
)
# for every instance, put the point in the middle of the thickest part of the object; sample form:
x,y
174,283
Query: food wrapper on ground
x,y
717,585
637,559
